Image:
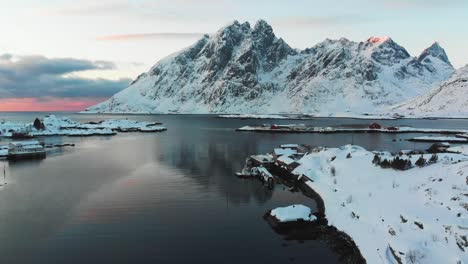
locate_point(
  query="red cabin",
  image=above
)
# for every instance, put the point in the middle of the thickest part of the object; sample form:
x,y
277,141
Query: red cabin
x,y
375,126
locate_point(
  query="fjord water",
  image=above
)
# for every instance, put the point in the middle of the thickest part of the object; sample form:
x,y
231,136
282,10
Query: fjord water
x,y
168,197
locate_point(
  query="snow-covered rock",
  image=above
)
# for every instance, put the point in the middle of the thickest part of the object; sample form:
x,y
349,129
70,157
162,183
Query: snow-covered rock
x,y
417,215
244,69
297,212
52,122
450,99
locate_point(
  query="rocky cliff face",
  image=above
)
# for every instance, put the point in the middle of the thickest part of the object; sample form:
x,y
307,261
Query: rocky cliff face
x,y
244,69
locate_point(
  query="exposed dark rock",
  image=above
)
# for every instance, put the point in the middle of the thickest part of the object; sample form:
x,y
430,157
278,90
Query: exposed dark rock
x,y
421,162
418,224
38,124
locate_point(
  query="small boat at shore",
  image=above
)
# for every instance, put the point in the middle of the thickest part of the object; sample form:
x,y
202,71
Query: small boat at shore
x,y
258,172
247,172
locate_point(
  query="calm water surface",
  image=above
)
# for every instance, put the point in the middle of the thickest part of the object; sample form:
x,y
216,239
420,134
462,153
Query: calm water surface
x,y
169,197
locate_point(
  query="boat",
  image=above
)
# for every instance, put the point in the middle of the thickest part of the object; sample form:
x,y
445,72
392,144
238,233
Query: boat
x,y
266,177
247,172
243,175
26,150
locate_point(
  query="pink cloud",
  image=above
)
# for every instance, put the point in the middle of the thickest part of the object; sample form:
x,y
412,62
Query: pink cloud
x,y
173,35
47,104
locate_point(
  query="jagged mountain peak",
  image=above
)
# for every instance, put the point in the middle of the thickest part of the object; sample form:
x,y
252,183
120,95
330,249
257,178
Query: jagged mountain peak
x,y
345,40
262,25
257,46
233,23
245,69
436,51
379,40
379,43
385,51
233,26
262,30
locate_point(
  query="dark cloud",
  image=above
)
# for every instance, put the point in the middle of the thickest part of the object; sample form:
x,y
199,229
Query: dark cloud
x,y
38,76
38,65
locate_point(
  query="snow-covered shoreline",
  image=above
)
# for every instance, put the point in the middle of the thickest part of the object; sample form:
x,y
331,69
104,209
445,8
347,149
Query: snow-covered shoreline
x,y
254,116
440,139
293,116
307,116
54,126
285,116
413,216
300,128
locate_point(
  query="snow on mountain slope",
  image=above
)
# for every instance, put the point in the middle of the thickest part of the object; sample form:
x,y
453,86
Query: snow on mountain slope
x,y
450,99
244,69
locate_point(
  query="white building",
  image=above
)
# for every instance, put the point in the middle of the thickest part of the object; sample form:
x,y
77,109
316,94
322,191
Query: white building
x,y
25,148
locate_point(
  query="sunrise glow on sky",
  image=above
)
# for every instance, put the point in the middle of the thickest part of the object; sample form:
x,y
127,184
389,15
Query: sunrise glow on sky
x,y
56,55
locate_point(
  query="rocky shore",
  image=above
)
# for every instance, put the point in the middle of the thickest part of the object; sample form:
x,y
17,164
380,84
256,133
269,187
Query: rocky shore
x,y
382,214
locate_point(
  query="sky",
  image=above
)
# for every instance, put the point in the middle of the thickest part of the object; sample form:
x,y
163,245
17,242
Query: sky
x,y
64,55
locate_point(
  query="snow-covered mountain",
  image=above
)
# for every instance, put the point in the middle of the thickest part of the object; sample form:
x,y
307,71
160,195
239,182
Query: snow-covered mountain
x,y
450,99
244,69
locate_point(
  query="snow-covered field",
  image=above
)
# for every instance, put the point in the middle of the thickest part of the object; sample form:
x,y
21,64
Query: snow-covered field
x,y
463,149
54,126
418,215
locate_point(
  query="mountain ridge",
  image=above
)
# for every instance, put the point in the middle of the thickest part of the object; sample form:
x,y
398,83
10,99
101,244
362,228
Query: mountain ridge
x,y
449,99
244,69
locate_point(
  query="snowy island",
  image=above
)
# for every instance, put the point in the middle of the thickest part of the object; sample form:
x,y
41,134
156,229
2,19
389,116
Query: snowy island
x,y
456,139
409,207
54,126
372,128
297,212
312,116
